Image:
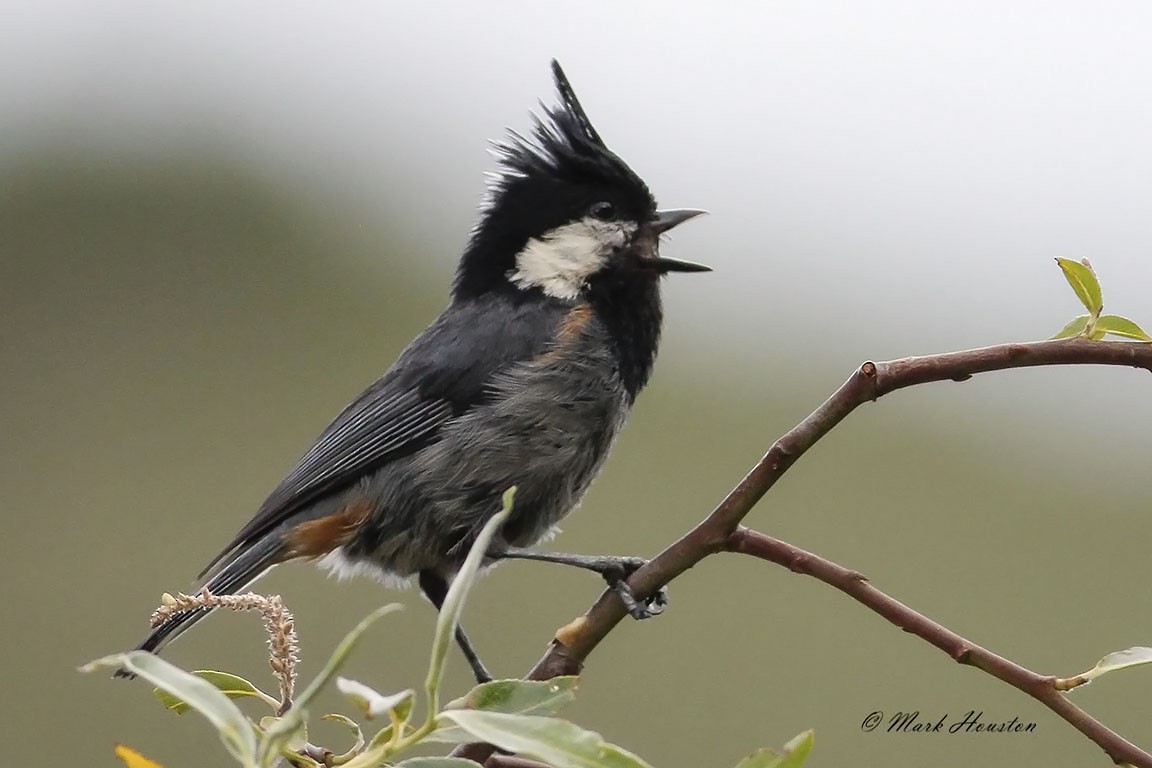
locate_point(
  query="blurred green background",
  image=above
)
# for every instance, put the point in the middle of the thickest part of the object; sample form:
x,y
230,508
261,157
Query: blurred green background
x,y
217,224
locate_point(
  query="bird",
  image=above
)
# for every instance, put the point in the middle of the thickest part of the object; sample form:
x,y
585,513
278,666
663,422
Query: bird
x,y
525,379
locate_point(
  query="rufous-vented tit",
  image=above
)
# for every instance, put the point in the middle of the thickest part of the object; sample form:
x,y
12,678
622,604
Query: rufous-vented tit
x,y
525,379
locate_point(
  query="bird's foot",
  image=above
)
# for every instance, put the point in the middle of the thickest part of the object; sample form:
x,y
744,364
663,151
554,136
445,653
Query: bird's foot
x,y
616,573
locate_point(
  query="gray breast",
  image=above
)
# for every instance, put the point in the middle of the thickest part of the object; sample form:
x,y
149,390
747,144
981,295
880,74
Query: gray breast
x,y
546,428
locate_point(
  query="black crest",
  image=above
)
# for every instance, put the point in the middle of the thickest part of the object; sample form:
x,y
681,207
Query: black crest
x,y
563,144
544,179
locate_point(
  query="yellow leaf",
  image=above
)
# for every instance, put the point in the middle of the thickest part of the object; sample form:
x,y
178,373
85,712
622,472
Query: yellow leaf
x,y
134,759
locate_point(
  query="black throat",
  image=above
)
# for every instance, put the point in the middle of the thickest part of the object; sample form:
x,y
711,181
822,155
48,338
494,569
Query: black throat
x,y
633,314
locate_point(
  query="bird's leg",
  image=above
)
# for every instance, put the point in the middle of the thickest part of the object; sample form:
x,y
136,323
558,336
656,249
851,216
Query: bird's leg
x,y
435,588
615,571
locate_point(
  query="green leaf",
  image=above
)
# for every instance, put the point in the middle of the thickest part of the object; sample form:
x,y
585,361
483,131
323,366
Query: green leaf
x,y
1084,283
198,693
793,755
378,746
520,697
357,735
279,733
1129,657
291,741
401,713
797,749
445,629
1122,326
232,686
457,595
438,762
548,739
371,703
761,758
383,736
1074,328
447,733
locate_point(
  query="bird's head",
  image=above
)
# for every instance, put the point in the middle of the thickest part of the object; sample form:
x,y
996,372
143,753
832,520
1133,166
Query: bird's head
x,y
564,212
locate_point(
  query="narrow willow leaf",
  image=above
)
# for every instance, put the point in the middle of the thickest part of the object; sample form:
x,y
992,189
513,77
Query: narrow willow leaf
x,y
520,697
445,629
357,735
438,762
279,733
797,749
548,739
341,654
793,755
761,758
371,703
293,741
378,747
232,686
199,694
1129,657
446,731
401,713
133,759
382,736
1084,283
1074,328
1122,326
457,595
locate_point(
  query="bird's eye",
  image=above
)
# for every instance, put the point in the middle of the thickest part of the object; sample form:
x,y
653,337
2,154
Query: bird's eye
x,y
603,210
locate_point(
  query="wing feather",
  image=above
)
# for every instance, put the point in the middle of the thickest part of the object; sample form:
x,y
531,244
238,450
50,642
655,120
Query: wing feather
x,y
445,371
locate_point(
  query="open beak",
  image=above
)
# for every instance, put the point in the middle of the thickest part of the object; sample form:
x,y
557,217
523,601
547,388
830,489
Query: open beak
x,y
666,220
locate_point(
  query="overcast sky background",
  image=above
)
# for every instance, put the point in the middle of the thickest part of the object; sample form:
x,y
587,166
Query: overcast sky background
x,y
861,160
884,179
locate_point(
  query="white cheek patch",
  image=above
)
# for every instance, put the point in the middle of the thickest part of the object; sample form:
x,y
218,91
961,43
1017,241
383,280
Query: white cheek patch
x,y
561,261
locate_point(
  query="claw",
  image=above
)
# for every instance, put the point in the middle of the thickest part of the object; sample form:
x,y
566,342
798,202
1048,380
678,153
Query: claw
x,y
658,602
617,580
615,571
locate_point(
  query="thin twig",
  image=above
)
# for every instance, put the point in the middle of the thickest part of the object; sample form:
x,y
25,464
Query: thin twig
x,y
869,382
1043,688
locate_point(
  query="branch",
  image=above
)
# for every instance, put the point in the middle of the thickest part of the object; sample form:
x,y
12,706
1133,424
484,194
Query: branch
x,y
856,585
871,381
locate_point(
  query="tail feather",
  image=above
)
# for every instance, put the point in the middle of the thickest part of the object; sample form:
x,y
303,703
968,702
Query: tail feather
x,y
241,568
